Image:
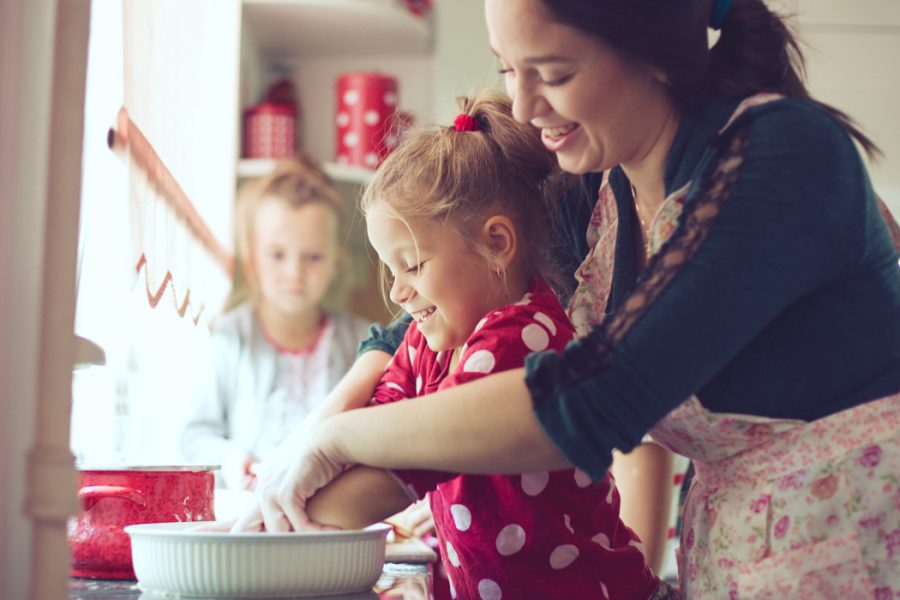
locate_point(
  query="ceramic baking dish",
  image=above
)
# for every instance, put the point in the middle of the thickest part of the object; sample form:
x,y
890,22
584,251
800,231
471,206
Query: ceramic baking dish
x,y
180,559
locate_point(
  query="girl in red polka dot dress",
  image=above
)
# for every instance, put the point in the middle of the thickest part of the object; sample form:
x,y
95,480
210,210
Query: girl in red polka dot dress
x,y
455,215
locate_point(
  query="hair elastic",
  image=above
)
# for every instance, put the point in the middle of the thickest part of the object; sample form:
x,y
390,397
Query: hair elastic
x,y
719,12
464,122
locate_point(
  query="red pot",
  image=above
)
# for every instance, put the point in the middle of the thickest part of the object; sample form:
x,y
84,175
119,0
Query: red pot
x,y
113,497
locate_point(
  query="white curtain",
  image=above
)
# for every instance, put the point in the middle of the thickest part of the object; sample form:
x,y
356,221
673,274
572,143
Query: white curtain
x,y
173,65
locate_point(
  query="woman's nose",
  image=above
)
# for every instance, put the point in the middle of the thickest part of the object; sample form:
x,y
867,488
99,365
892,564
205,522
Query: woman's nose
x,y
527,104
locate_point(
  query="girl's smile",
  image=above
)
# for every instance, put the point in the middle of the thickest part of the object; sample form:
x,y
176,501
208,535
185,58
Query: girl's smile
x,y
438,277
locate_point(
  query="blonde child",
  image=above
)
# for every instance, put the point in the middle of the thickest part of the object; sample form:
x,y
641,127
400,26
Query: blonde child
x,y
276,355
455,215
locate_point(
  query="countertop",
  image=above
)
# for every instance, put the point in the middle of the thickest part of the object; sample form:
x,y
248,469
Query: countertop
x,y
397,582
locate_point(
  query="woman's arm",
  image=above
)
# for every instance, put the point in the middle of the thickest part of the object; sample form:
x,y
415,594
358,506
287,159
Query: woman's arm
x,y
485,426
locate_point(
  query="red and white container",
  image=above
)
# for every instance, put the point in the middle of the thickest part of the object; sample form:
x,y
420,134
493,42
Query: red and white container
x,y
269,131
115,496
270,127
364,118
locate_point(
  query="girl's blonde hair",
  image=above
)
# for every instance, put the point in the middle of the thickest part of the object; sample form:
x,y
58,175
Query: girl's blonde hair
x,y
297,182
463,177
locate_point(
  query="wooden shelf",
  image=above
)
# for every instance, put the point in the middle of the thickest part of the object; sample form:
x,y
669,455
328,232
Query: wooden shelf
x,y
259,167
287,29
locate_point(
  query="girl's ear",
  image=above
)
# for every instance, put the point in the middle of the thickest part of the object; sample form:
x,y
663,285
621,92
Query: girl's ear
x,y
500,235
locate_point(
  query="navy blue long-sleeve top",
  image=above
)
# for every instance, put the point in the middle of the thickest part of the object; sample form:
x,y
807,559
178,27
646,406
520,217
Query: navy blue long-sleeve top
x,y
789,307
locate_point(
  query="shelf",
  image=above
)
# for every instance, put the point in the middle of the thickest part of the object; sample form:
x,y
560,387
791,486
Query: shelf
x,y
259,167
288,29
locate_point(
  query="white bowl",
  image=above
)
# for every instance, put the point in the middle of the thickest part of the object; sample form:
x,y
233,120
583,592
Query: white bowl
x,y
177,558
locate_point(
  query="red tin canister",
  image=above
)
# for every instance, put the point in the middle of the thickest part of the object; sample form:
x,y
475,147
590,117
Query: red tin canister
x,y
365,115
112,497
269,130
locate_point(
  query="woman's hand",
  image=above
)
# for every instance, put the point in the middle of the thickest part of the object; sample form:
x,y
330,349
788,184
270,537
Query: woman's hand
x,y
303,463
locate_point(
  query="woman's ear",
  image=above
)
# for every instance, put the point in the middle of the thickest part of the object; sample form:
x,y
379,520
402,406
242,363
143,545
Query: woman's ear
x,y
500,236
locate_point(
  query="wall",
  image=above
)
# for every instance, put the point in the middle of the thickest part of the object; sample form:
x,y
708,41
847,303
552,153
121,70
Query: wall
x,y
851,50
26,52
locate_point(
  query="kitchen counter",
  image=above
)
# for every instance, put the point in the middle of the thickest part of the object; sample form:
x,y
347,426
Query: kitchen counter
x,y
397,582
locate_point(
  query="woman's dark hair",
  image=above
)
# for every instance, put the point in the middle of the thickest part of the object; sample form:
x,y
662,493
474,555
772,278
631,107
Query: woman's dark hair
x,y
756,51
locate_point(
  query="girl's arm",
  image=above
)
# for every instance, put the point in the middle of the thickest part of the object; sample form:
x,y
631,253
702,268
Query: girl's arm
x,y
357,498
644,480
353,390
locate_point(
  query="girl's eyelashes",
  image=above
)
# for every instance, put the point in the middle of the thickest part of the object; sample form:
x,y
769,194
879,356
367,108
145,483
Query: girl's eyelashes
x,y
416,268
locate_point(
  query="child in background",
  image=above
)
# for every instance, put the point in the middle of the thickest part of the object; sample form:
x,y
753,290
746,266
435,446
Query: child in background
x,y
456,216
278,354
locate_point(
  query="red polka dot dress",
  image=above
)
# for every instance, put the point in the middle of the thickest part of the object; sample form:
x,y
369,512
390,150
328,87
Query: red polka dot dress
x,y
537,535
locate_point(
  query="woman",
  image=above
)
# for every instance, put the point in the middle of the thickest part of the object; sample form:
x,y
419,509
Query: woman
x,y
752,274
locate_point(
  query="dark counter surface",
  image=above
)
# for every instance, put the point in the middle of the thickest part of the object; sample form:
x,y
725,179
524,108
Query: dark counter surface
x,y
397,582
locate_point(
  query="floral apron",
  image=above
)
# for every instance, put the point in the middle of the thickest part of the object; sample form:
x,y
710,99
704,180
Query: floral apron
x,y
779,508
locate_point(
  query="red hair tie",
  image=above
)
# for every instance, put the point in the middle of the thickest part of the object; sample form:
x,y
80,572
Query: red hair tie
x,y
466,122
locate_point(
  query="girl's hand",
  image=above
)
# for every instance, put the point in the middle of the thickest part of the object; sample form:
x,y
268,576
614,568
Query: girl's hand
x,y
418,518
299,467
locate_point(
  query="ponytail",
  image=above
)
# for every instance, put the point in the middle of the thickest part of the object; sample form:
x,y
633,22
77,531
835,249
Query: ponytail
x,y
757,52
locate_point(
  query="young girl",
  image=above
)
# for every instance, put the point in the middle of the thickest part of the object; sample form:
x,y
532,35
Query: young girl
x,y
278,354
455,215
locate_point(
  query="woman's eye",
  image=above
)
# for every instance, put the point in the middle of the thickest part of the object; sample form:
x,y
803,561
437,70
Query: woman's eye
x,y
558,81
314,257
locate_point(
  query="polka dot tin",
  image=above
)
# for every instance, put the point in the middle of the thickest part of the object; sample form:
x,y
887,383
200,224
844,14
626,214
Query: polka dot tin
x,y
365,118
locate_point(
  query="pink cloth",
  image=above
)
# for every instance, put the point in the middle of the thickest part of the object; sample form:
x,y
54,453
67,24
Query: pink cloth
x,y
536,535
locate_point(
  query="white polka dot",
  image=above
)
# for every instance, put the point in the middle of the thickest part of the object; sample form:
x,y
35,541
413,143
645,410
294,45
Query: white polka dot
x,y
481,361
392,140
637,544
462,516
412,354
462,350
395,386
567,520
481,324
452,556
488,589
546,322
452,589
351,139
535,337
526,299
604,590
371,117
563,556
371,159
390,98
418,384
612,488
582,479
342,119
351,97
601,539
534,483
510,539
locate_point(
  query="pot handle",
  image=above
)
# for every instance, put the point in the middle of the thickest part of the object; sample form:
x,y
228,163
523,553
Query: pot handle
x,y
89,495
